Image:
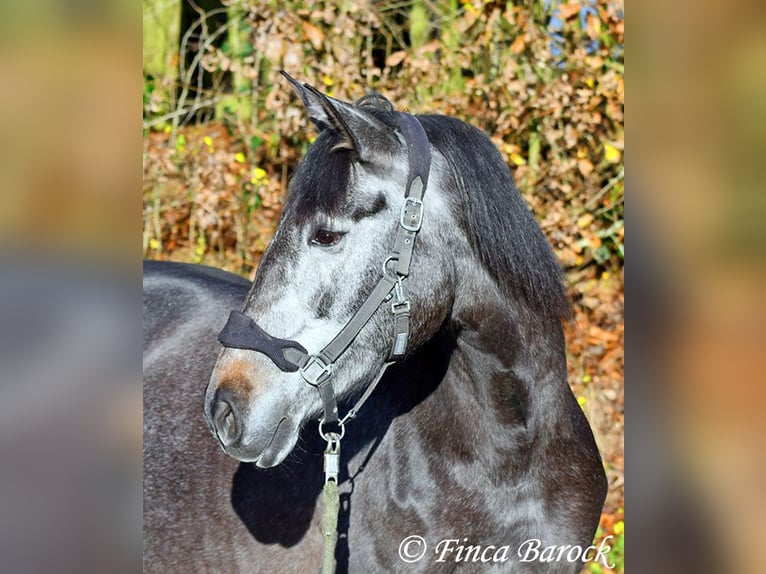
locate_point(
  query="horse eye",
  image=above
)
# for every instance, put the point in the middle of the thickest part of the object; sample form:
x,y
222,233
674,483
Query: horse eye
x,y
325,237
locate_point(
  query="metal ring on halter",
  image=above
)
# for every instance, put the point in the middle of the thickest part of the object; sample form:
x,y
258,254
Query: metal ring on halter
x,y
328,436
385,264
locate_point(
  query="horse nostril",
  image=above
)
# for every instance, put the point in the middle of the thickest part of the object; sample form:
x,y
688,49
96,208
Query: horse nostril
x,y
225,421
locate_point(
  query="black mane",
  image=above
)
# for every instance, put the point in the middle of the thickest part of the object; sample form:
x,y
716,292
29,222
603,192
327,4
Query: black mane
x,y
502,230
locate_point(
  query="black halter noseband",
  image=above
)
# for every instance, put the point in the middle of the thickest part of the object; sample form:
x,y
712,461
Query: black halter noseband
x,y
242,332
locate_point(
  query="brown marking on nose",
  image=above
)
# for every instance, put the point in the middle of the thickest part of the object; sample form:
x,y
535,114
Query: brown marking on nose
x,y
235,376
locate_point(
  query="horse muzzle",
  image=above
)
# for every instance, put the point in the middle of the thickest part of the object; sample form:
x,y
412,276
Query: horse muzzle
x,y
250,426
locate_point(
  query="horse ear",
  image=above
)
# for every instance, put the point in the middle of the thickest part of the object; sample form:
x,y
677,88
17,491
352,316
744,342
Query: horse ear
x,y
359,130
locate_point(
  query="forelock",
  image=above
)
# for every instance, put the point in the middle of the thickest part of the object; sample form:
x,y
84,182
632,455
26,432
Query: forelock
x,y
321,180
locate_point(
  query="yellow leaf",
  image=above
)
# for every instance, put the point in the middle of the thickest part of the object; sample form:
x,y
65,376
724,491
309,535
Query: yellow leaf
x,y
327,81
611,153
586,379
619,527
593,26
517,159
584,220
239,157
208,141
581,401
154,243
259,175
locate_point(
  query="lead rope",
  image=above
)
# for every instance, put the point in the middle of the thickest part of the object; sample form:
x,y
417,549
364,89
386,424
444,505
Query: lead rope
x,y
330,493
330,501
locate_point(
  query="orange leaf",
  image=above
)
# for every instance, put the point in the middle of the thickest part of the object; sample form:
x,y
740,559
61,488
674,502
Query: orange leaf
x,y
585,166
568,10
314,35
396,58
518,44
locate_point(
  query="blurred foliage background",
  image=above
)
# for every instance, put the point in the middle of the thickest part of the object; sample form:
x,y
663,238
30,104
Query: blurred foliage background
x,y
545,80
223,130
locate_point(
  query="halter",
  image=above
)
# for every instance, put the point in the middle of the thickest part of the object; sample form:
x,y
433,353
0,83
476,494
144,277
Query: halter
x,y
242,332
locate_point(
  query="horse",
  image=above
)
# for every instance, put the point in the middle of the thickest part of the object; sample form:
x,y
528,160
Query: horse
x,y
470,451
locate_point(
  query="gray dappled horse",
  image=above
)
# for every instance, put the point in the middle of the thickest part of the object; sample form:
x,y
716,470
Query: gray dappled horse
x,y
474,434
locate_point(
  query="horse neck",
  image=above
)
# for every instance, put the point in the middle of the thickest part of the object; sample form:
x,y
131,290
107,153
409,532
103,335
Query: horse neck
x,y
504,385
510,357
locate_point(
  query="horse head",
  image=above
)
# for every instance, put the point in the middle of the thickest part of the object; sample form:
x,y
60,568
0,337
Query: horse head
x,y
346,205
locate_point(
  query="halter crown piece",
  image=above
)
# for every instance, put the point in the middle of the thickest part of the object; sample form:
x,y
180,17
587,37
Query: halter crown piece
x,y
242,332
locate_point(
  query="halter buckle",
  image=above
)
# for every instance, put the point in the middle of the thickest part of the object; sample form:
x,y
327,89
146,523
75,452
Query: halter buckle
x,y
316,371
402,303
400,307
411,217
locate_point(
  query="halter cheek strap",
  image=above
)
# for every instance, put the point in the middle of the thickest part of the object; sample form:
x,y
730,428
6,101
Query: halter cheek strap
x,y
242,332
